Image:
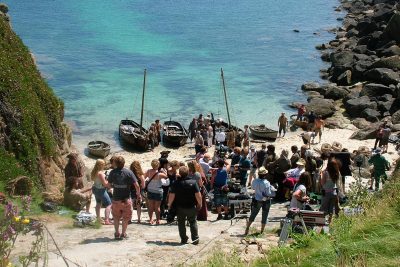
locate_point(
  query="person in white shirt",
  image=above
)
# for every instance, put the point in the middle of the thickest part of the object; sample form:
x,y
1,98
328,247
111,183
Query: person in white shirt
x,y
307,138
204,163
299,196
296,172
252,157
220,137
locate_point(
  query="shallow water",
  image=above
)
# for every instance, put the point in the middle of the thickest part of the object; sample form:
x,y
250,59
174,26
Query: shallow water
x,y
93,54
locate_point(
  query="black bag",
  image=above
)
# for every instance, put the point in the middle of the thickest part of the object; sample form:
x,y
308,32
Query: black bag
x,y
148,182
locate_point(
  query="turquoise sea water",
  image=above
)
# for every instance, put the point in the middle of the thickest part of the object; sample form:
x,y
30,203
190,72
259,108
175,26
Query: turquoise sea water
x,y
93,54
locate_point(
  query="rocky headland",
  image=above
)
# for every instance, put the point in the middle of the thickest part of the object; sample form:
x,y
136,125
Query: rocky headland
x,y
34,140
363,81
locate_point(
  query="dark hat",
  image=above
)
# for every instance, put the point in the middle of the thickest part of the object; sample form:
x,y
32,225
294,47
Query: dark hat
x,y
165,152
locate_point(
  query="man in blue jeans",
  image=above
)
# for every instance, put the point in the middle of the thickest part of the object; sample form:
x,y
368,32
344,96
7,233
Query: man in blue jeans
x,y
264,191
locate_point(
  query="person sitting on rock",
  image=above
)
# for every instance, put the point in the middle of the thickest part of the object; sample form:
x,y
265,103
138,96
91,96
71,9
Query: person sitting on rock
x,y
76,196
74,168
300,112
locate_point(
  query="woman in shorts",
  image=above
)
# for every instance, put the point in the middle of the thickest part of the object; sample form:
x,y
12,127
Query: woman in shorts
x,y
154,182
100,191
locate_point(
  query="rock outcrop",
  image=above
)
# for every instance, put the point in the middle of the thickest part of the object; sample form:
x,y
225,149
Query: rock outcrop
x,y
32,132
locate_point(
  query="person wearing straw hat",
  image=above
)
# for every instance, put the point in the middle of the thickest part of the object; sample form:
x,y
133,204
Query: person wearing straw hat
x,y
264,191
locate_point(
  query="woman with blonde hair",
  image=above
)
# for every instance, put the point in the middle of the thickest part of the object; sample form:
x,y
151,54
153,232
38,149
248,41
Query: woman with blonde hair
x,y
196,173
100,191
154,182
136,168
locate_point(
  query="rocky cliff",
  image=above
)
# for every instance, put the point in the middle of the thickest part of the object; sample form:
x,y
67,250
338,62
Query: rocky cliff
x,y
364,76
33,138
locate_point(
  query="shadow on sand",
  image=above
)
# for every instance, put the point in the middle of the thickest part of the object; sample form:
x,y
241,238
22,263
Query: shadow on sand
x,y
164,243
98,240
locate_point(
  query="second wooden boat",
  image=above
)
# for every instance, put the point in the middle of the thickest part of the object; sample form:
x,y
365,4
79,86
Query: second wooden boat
x,y
99,149
261,131
174,133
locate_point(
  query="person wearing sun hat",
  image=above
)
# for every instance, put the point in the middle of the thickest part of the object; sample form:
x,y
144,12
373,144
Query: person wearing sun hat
x,y
264,191
292,176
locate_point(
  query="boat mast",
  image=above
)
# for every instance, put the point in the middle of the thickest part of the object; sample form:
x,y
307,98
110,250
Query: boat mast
x,y
144,87
226,100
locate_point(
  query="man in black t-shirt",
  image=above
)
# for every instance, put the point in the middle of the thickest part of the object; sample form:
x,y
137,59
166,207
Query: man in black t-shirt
x,y
122,179
185,195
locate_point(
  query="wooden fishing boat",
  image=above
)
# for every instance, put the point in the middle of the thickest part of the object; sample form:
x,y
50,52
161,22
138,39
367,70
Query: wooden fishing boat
x,y
261,131
134,133
99,149
301,124
174,133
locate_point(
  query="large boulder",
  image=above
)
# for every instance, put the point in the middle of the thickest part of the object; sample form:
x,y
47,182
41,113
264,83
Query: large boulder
x,y
321,106
361,123
384,106
314,86
395,106
396,117
335,92
392,29
370,114
368,132
3,8
355,106
375,90
344,58
383,76
393,50
392,62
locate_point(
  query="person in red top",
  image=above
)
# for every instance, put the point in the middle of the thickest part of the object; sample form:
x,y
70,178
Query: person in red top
x,y
300,112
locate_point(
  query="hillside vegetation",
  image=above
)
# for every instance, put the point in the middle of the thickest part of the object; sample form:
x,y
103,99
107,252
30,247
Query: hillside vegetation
x,y
30,113
370,239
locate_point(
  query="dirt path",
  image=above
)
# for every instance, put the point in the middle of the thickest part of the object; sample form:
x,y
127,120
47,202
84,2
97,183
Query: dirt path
x,y
157,245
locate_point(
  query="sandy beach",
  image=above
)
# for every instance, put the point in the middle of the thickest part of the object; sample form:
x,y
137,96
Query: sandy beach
x,y
159,245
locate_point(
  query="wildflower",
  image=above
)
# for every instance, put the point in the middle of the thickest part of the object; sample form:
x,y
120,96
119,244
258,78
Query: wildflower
x,y
25,221
17,219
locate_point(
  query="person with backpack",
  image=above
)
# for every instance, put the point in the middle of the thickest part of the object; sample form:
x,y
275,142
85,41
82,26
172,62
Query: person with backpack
x,y
219,182
185,195
263,192
381,165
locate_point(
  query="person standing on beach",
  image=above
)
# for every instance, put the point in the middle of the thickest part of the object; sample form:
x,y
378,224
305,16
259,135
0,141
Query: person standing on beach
x,y
193,129
383,143
318,127
186,197
246,140
311,120
230,138
381,165
219,182
137,170
282,124
301,110
100,192
260,155
198,142
295,156
121,179
244,166
307,138
220,137
252,157
264,191
210,135
157,127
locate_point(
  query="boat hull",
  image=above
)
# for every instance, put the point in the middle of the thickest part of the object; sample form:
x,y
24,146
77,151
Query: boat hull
x,y
174,134
263,134
99,149
133,134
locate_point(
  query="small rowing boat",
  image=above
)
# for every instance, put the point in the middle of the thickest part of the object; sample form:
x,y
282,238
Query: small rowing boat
x,y
261,131
174,133
99,149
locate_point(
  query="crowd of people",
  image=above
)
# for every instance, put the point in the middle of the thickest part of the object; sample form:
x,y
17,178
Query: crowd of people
x,y
171,189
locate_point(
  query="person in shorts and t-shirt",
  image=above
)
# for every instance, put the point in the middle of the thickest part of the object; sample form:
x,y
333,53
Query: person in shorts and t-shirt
x,y
122,179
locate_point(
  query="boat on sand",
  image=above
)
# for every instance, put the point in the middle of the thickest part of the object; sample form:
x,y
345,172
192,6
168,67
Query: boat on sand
x,y
174,133
261,131
99,149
